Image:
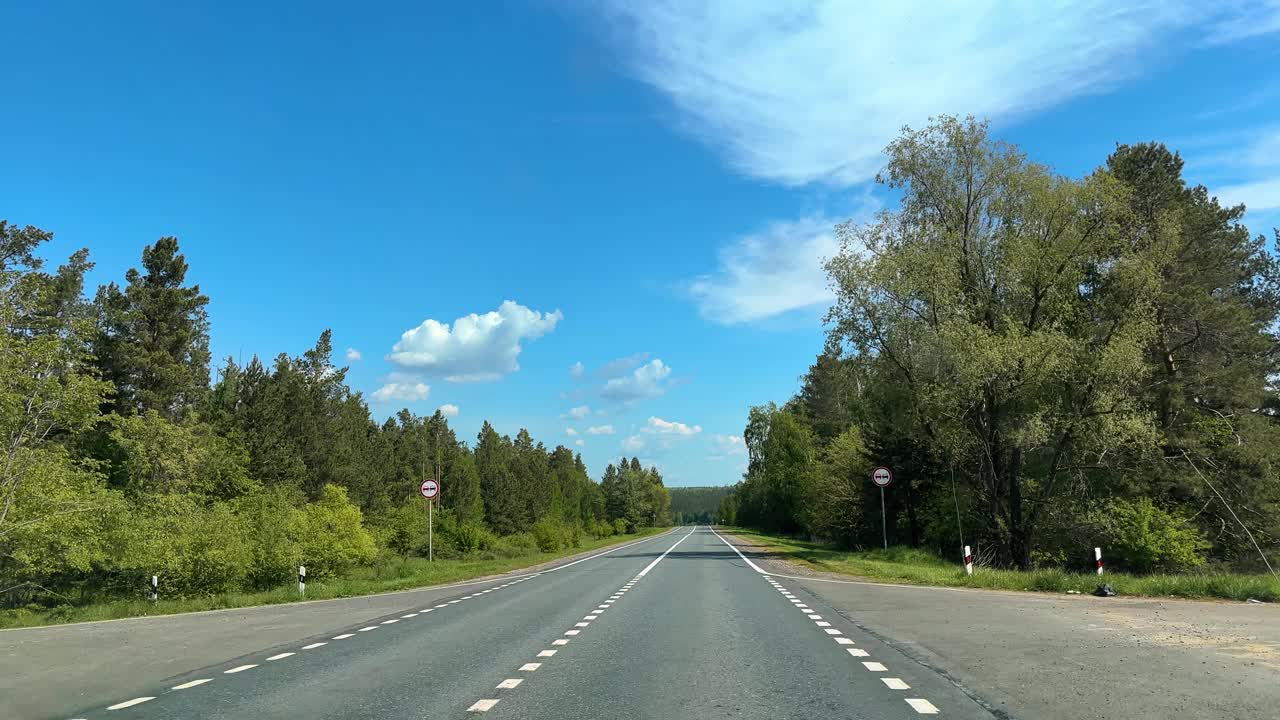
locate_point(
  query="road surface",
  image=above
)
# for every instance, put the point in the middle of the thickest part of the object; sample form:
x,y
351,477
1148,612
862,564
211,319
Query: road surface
x,y
679,625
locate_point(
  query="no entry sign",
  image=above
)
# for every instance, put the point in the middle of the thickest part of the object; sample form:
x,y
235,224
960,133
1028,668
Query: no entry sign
x,y
429,489
882,477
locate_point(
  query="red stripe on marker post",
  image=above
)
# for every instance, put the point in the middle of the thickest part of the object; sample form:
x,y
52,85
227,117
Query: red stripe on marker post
x,y
1097,555
968,561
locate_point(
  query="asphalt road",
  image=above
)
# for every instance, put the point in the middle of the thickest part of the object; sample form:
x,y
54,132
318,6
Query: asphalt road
x,y
680,625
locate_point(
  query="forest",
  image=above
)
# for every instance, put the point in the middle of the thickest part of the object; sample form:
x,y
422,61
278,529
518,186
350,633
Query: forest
x,y
1047,364
696,505
126,457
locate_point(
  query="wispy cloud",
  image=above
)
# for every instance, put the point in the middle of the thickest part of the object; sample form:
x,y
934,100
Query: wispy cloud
x,y
577,413
1263,195
769,273
803,91
621,366
724,446
667,427
353,355
408,392
600,430
576,370
633,443
571,432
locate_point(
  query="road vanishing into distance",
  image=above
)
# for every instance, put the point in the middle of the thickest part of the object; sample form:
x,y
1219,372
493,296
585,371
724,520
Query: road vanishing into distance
x,y
680,625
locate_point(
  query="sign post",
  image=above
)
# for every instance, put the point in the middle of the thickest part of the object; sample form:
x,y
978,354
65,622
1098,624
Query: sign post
x,y
430,489
882,477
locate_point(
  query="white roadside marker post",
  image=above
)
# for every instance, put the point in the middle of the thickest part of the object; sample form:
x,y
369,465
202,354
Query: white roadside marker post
x,y
1097,555
302,579
154,595
968,561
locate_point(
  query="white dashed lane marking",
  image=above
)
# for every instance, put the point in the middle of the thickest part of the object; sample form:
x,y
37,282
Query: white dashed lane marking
x,y
130,703
281,656
241,668
560,641
406,617
482,706
367,629
388,622
313,646
343,636
874,667
530,667
895,683
922,706
572,632
509,684
546,653
858,652
191,684
844,641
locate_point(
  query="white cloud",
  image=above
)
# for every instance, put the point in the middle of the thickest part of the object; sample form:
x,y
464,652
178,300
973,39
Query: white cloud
x,y
576,370
477,347
769,273
579,442
353,355
448,410
1260,195
665,427
620,366
577,413
571,432
633,443
407,391
728,445
600,430
802,91
647,381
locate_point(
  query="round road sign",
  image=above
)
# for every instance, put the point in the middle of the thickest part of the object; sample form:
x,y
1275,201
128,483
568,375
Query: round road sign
x,y
429,489
882,477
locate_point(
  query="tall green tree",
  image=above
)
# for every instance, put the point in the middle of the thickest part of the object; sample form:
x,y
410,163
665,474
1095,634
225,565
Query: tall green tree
x,y
153,341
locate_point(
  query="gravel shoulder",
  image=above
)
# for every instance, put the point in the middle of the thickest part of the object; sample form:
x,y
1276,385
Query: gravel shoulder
x,y
1040,655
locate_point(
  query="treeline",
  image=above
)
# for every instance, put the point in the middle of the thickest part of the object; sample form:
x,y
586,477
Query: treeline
x,y
122,460
1047,364
696,505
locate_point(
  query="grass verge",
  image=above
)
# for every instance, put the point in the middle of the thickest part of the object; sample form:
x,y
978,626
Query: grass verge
x,y
385,576
919,567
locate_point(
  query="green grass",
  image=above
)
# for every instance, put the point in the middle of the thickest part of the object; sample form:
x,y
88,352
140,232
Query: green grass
x,y
919,567
386,575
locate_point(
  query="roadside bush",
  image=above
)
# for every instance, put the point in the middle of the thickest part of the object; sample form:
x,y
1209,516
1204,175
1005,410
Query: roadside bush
x,y
273,551
599,529
1138,535
332,535
471,537
619,526
193,548
550,535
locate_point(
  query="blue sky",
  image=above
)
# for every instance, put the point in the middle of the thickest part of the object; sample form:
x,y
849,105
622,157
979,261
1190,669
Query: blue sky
x,y
643,188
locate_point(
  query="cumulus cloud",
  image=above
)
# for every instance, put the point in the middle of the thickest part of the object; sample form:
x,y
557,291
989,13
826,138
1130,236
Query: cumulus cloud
x,y
577,413
633,443
769,273
803,91
729,444
647,381
576,369
579,442
600,430
665,427
353,355
571,432
476,347
448,410
407,391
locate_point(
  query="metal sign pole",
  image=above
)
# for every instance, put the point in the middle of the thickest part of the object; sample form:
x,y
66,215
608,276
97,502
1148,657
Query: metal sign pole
x,y
431,546
884,523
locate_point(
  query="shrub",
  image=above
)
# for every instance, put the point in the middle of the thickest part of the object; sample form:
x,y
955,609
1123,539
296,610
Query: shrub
x,y
550,535
619,526
473,537
331,534
1138,535
274,553
193,548
600,529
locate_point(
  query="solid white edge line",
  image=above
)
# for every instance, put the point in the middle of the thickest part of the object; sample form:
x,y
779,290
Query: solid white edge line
x,y
130,703
744,557
658,559
191,684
